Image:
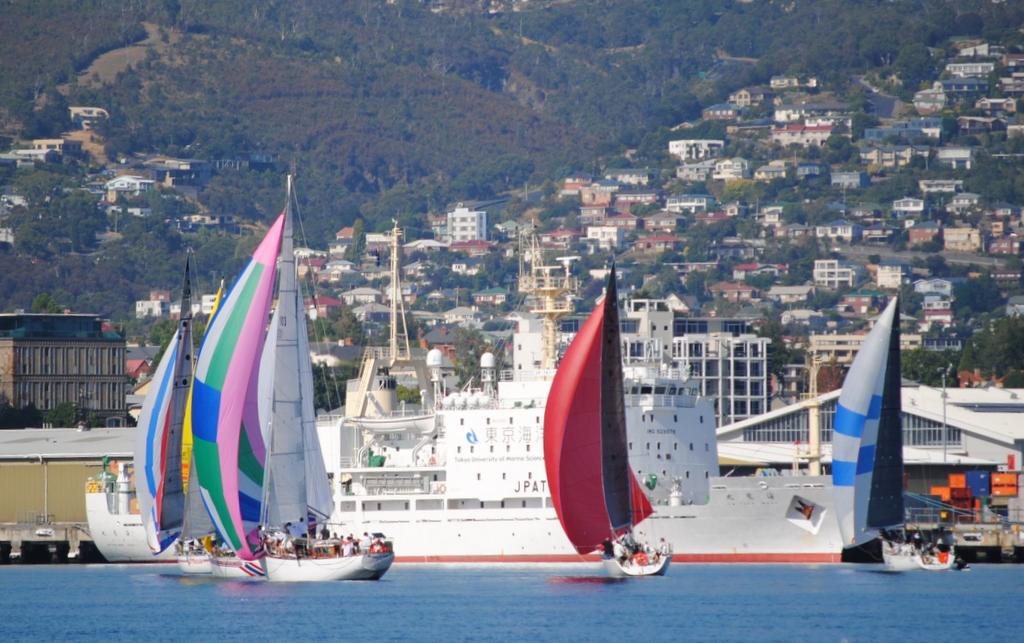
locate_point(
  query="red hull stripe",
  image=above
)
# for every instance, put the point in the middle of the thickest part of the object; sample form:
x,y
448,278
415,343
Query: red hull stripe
x,y
593,558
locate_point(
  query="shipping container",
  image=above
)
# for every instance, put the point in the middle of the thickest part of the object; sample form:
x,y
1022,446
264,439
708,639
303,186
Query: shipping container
x,y
941,492
957,480
959,493
1004,479
1005,492
980,483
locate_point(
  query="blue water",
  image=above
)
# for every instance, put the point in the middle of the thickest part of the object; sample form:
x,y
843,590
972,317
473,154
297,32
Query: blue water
x,y
499,603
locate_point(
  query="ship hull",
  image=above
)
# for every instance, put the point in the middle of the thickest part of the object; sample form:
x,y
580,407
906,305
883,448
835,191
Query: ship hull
x,y
120,537
747,520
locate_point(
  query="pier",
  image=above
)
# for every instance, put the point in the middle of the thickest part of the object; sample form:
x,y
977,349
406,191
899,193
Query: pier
x,y
42,541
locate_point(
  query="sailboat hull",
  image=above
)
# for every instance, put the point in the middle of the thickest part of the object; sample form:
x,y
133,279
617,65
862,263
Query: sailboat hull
x,y
616,569
909,560
194,563
364,567
234,568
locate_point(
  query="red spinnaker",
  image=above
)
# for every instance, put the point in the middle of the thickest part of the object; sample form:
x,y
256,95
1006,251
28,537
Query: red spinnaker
x,y
594,492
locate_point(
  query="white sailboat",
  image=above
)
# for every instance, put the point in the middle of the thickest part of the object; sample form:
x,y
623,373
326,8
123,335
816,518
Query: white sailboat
x,y
867,453
296,484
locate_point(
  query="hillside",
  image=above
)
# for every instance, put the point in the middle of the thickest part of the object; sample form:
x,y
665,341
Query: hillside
x,y
399,108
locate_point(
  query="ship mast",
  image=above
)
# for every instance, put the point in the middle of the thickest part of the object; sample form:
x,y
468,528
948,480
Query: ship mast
x,y
399,341
549,288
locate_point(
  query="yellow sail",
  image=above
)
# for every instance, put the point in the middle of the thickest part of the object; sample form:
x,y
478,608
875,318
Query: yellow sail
x,y
186,432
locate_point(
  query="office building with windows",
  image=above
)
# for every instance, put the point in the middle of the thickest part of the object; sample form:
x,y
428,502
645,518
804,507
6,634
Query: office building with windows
x,y
47,360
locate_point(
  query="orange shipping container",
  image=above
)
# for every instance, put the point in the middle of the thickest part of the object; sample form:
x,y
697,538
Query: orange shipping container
x,y
941,492
958,480
1004,479
1005,491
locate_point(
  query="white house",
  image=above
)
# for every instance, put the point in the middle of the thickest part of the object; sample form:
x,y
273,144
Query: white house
x,y
695,149
731,169
605,237
129,185
957,158
908,208
833,273
934,286
363,295
968,69
466,225
697,171
891,274
839,230
691,203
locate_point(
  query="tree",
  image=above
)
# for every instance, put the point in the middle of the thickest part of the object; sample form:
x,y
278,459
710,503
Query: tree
x,y
926,366
975,296
45,303
914,64
354,252
63,415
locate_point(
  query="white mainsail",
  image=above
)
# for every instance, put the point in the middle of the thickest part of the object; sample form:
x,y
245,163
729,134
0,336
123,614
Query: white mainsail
x,y
296,477
855,434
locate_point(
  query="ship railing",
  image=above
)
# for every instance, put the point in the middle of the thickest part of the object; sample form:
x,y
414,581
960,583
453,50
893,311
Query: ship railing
x,y
652,400
509,375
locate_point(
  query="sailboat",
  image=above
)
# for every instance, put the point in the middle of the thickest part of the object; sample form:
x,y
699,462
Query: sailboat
x,y
170,508
261,469
867,452
596,495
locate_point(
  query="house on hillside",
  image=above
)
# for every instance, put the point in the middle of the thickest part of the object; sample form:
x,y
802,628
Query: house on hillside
x,y
731,169
86,117
657,243
732,292
839,230
490,297
695,149
128,185
962,239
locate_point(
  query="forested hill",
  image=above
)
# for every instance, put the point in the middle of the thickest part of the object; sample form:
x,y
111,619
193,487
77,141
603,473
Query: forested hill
x,y
400,107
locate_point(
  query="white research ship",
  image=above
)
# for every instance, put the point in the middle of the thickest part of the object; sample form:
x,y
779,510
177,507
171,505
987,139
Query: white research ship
x,y
464,480
112,512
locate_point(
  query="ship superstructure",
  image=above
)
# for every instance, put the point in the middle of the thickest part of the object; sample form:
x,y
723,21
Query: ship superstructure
x,y
463,478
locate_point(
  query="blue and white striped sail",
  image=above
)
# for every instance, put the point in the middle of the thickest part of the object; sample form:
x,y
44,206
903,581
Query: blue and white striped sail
x,y
856,429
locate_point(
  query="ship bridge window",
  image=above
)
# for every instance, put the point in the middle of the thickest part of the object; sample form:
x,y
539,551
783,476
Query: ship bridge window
x,y
671,390
675,418
705,475
691,446
645,390
633,390
659,390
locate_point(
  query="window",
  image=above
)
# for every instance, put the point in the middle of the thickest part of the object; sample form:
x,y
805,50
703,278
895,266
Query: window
x,y
691,446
